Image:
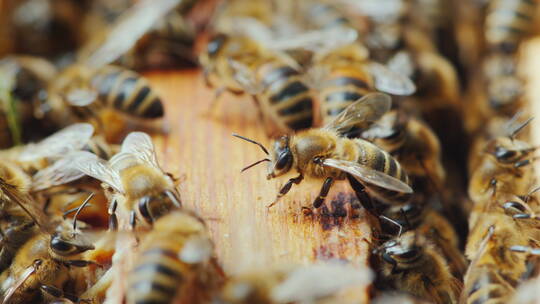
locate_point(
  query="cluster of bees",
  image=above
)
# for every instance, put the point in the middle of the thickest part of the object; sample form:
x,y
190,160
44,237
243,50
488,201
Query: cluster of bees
x,y
371,92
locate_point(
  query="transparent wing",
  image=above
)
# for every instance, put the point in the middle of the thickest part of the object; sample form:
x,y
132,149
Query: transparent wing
x,y
59,173
93,166
59,144
316,40
516,124
131,26
402,64
389,81
80,97
365,110
27,203
17,284
366,174
245,77
140,145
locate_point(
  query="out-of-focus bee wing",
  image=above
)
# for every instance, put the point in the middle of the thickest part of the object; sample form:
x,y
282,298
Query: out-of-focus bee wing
x,y
389,81
196,250
377,131
59,173
515,124
131,26
27,203
401,63
369,108
81,97
316,40
140,145
309,283
315,75
91,165
368,175
379,10
60,143
245,77
11,290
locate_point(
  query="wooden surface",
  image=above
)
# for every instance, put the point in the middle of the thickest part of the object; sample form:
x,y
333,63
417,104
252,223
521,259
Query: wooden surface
x,y
202,152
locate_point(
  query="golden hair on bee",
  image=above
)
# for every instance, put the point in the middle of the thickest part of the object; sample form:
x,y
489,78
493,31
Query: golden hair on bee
x,y
325,154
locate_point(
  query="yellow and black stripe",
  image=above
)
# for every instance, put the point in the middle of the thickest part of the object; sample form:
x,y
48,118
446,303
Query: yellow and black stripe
x,y
127,91
380,160
286,95
99,147
508,22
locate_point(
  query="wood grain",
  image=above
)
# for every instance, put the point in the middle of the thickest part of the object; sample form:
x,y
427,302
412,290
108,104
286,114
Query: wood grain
x,y
202,152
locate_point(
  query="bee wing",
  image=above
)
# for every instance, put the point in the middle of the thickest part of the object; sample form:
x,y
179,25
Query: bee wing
x,y
124,33
365,174
60,143
81,97
245,77
515,124
140,145
389,81
27,203
11,290
91,165
59,173
197,249
369,108
401,63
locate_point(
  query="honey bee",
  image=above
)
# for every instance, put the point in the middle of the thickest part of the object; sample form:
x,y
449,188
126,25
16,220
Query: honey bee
x,y
42,265
413,143
505,168
349,75
316,283
415,266
429,223
24,80
134,178
508,22
325,154
173,260
504,88
272,78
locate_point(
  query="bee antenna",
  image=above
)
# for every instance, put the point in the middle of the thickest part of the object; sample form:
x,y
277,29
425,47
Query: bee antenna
x,y
84,204
255,163
533,191
253,142
393,222
520,127
15,195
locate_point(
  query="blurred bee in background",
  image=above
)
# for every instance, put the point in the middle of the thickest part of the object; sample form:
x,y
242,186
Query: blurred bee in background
x,y
239,64
346,74
175,261
429,223
316,283
24,81
326,153
41,267
132,179
415,266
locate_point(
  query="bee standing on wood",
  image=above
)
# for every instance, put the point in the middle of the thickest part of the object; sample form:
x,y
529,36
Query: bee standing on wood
x,y
326,154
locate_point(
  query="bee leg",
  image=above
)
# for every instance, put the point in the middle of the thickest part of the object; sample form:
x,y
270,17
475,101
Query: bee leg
x,y
317,203
58,293
80,263
113,219
362,195
388,259
132,219
285,189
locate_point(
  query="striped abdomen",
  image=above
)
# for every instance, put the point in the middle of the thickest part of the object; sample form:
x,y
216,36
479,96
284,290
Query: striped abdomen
x,y
285,97
509,21
380,160
127,91
484,285
158,274
98,146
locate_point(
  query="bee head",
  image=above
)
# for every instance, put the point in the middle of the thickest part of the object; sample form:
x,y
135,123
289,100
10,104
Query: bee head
x,y
65,242
508,150
404,250
281,158
504,92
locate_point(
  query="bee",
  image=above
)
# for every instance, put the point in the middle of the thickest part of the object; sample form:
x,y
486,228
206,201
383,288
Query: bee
x,y
429,223
349,75
42,265
508,22
415,266
413,143
505,168
316,283
504,88
272,78
174,258
325,154
133,178
24,80
324,15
